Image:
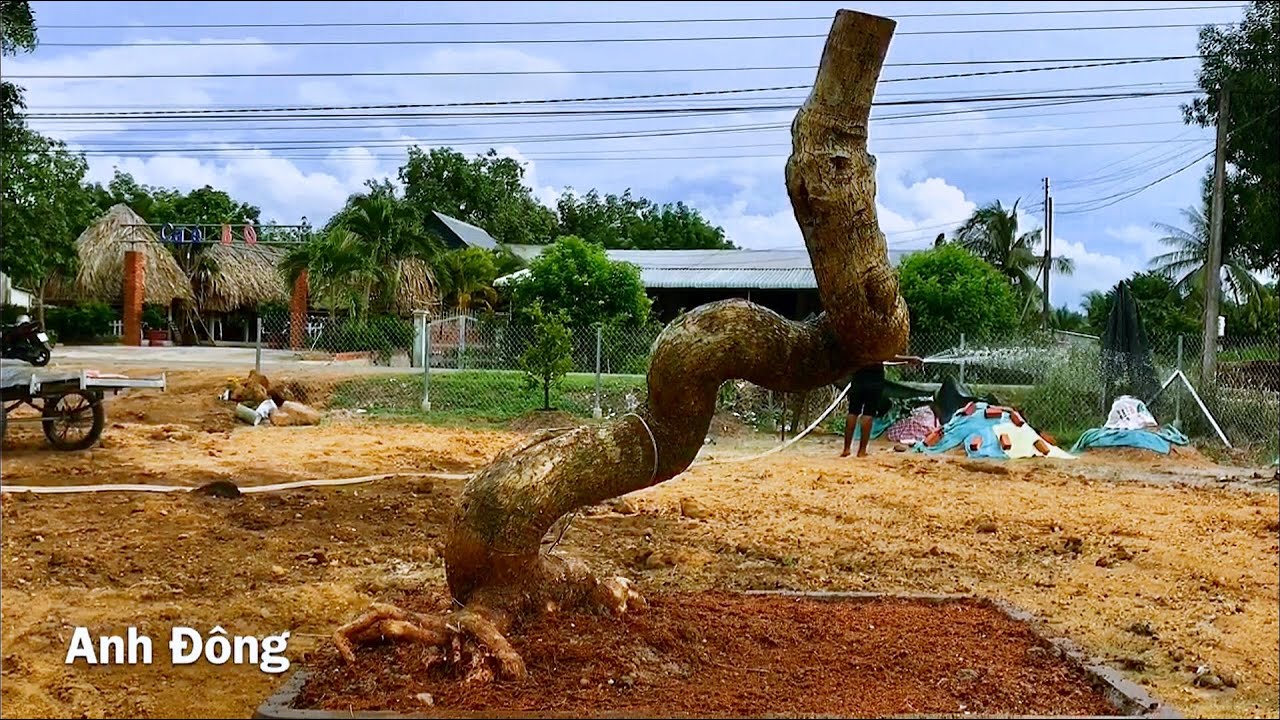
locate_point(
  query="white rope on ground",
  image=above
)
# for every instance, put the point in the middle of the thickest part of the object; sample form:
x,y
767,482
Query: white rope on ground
x,y
299,484
127,487
785,445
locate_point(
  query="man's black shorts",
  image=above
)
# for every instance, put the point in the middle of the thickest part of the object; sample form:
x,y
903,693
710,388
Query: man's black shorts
x,y
866,391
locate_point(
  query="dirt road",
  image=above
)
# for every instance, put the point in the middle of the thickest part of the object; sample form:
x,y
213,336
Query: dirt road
x,y
1157,576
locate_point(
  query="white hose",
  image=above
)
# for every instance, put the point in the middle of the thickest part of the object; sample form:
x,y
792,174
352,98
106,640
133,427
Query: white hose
x,y
125,487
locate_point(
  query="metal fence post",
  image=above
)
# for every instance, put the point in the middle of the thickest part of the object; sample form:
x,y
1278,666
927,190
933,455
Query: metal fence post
x,y
596,412
1177,397
462,339
257,345
426,363
962,358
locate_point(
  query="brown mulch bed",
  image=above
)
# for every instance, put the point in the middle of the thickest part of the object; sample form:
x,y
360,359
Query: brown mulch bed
x,y
725,654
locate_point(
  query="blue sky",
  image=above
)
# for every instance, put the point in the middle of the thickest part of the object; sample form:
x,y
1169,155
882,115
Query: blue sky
x,y
932,171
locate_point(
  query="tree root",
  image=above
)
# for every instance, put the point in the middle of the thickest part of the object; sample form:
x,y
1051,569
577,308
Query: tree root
x,y
472,639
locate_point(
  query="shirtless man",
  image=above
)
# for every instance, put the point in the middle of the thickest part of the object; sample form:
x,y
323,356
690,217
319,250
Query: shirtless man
x,y
864,400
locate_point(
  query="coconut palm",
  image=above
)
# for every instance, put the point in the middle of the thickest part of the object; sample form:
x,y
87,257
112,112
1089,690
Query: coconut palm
x,y
466,279
1185,263
991,233
365,254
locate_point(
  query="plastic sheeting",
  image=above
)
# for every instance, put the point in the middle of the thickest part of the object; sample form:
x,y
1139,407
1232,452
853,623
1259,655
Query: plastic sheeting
x,y
1160,441
980,437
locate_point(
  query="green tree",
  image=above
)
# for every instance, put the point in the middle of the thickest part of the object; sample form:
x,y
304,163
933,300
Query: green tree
x,y
626,222
1259,319
549,357
466,278
486,190
1164,311
950,291
1185,262
358,261
1245,58
992,234
45,206
338,270
1068,320
577,278
158,205
17,34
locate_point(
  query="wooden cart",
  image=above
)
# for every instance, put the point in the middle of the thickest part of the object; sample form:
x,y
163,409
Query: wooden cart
x,y
69,401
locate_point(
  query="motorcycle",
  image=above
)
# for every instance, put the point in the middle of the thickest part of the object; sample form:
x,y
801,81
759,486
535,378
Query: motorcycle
x,y
27,342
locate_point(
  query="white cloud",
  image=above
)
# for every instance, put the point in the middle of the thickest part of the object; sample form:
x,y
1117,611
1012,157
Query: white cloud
x,y
283,191
1139,240
1093,271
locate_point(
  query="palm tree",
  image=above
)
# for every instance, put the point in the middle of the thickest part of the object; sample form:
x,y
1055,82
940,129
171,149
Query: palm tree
x,y
358,262
1185,263
991,233
466,278
1064,318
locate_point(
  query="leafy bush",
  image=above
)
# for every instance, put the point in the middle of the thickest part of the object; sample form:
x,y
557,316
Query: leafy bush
x,y
1069,399
80,323
382,335
950,291
154,317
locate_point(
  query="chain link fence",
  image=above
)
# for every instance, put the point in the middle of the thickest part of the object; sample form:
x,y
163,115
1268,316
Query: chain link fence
x,y
497,370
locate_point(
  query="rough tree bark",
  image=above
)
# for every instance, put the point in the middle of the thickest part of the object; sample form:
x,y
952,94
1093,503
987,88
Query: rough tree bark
x,y
495,570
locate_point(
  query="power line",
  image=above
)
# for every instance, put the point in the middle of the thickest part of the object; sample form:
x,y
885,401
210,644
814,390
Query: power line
x,y
631,152
621,21
215,112
611,114
1074,64
577,41
1121,196
877,120
580,137
686,96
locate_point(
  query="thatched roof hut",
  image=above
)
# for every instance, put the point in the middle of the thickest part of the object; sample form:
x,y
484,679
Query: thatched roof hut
x,y
244,276
101,248
417,289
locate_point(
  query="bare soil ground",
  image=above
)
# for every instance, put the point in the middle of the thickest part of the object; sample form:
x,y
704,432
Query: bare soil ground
x,y
715,654
1151,562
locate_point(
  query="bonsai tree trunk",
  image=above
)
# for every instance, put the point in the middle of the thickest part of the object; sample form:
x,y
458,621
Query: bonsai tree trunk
x,y
495,570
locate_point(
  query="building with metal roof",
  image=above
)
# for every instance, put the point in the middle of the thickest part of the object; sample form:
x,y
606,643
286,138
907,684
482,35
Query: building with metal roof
x,y
781,279
458,234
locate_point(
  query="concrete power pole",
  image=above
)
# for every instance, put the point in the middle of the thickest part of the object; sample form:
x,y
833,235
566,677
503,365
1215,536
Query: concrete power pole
x,y
1048,249
1213,263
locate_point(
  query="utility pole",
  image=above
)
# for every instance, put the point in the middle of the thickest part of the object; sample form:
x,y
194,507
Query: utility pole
x,y
1213,264
1048,248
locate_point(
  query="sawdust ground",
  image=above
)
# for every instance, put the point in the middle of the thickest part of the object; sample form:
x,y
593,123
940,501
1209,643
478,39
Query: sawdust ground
x,y
1156,575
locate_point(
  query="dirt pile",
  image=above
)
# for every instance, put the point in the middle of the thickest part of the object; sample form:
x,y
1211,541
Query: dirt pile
x,y
721,654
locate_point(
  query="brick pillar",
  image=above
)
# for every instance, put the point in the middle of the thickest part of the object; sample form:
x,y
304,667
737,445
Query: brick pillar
x,y
134,285
298,313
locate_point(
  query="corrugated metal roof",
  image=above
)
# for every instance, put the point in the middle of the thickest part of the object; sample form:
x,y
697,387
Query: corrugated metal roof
x,y
774,269
468,233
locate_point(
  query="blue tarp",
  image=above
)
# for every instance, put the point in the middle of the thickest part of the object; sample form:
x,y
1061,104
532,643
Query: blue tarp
x,y
1142,439
961,429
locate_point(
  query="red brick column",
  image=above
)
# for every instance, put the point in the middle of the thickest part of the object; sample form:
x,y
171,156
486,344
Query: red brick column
x,y
134,285
298,313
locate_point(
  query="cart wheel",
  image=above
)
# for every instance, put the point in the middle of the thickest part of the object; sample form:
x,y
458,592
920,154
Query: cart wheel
x,y
73,421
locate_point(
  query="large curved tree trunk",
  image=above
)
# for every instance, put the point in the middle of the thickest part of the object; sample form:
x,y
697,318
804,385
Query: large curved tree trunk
x,y
495,569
